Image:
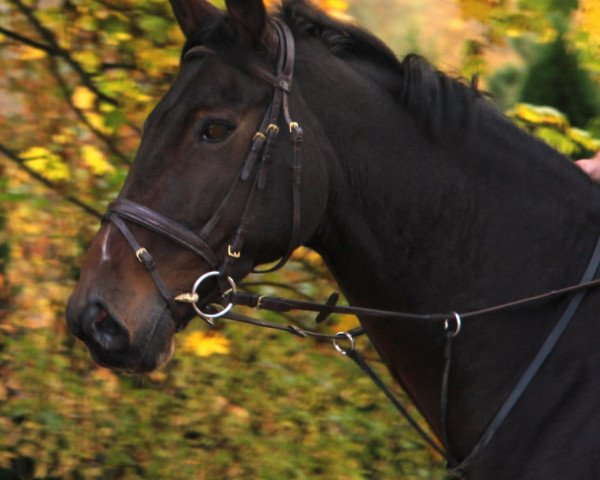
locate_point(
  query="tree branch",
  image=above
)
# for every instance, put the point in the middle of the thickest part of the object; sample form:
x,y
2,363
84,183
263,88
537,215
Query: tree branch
x,y
28,41
55,71
117,66
48,35
13,157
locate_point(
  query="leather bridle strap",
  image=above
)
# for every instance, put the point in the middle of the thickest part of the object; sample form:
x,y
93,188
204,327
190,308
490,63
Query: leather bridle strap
x,y
154,221
286,46
262,145
144,257
533,368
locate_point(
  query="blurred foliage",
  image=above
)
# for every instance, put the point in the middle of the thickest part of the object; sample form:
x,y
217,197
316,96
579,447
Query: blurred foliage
x,y
554,128
555,77
272,408
79,78
559,62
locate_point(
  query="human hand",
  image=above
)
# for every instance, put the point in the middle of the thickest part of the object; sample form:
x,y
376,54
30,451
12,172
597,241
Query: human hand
x,y
591,166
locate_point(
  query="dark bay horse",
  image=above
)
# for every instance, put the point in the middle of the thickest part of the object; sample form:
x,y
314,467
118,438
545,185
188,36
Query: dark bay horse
x,y
418,194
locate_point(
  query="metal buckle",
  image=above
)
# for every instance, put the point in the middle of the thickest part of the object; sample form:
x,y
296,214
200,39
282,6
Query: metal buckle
x,y
139,252
233,253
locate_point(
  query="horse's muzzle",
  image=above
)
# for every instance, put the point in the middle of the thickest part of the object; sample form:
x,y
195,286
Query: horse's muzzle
x,y
97,325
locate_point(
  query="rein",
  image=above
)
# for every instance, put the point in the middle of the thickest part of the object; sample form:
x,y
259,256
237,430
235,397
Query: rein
x,y
452,324
257,161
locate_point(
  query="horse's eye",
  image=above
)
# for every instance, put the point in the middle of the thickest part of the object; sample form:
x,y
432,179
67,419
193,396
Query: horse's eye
x,y
215,132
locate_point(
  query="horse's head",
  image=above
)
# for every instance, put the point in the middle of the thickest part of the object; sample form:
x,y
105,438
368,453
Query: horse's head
x,y
211,188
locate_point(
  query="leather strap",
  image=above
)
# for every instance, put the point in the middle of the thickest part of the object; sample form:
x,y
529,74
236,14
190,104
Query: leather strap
x,y
279,304
262,145
145,258
535,365
152,220
286,42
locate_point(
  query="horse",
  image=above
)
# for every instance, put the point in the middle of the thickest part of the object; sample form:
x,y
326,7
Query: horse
x,y
293,128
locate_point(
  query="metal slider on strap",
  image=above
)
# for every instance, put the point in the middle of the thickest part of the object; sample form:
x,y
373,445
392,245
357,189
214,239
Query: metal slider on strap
x,y
285,85
139,253
259,136
145,258
272,131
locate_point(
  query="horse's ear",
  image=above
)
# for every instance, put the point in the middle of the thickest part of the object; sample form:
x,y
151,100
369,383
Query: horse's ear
x,y
193,14
248,18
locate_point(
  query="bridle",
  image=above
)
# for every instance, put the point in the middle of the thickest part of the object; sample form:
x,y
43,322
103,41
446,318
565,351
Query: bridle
x,y
259,153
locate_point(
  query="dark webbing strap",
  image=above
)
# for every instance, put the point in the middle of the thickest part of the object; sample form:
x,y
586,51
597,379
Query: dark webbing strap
x,y
534,366
366,368
279,304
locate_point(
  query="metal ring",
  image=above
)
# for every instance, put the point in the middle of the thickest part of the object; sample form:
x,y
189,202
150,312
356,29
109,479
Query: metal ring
x,y
457,327
198,282
349,337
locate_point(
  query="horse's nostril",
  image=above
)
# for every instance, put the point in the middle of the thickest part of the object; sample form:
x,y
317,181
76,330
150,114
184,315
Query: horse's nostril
x,y
104,329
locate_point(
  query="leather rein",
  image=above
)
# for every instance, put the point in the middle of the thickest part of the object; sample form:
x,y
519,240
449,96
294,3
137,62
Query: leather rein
x,y
258,160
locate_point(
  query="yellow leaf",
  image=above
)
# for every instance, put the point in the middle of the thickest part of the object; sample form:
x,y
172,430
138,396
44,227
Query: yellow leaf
x,y
63,137
95,160
83,98
304,253
30,53
46,163
97,121
89,60
123,36
540,115
204,344
344,323
589,17
584,139
334,5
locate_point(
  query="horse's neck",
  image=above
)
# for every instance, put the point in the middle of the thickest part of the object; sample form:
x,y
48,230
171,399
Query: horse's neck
x,y
410,227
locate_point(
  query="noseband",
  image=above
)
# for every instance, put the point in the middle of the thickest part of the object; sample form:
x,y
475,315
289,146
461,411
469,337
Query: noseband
x,y
123,210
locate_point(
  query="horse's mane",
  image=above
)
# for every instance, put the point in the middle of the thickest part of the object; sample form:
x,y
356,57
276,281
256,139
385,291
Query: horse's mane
x,y
442,105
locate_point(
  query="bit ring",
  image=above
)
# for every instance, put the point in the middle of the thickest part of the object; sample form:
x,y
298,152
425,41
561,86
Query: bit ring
x,y
220,313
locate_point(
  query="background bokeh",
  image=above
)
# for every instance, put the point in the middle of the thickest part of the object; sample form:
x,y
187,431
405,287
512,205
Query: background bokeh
x,y
78,78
